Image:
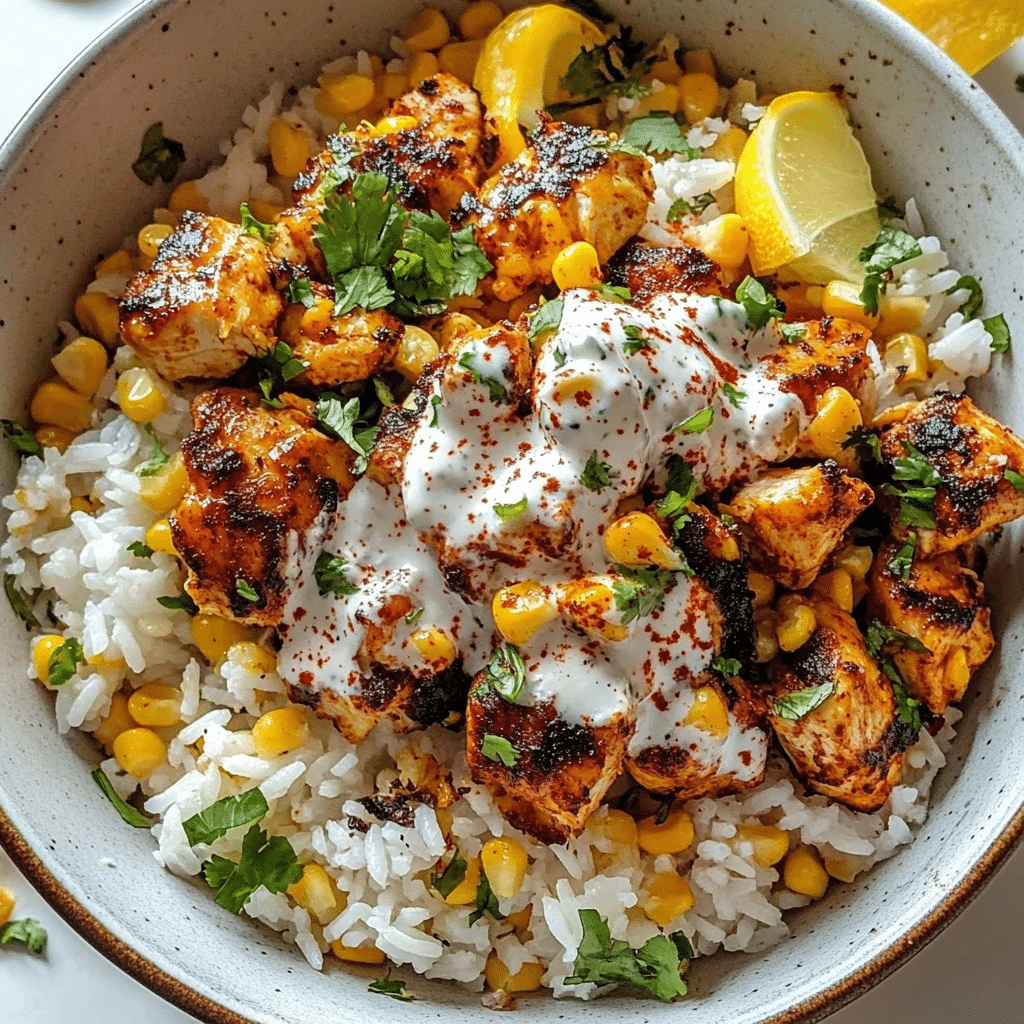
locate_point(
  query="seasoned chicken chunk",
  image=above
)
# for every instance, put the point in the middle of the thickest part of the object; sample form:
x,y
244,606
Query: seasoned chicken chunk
x,y
970,453
940,602
262,482
648,270
851,746
794,518
207,303
562,188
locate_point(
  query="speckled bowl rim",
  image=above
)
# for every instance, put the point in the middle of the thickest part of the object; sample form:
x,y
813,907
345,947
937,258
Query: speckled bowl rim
x,y
818,1006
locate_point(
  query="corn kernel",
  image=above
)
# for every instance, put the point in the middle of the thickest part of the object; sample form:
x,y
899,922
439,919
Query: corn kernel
x,y
958,671
708,713
728,146
621,829
289,148
55,404
840,868
465,891
521,610
155,705
139,397
576,266
459,59
253,657
6,905
763,588
770,844
837,586
854,559
341,95
315,892
669,895
723,240
637,539
519,306
435,647
766,643
728,549
159,538
55,437
214,635
589,604
118,264
842,299
837,414
907,354
526,979
699,61
139,752
520,919
666,99
900,313
422,66
477,20
97,315
44,649
188,197
803,873
279,731
117,721
166,487
796,624
673,835
390,125
416,349
265,211
454,327
504,862
81,505
357,954
426,30
82,364
698,95
667,71
150,237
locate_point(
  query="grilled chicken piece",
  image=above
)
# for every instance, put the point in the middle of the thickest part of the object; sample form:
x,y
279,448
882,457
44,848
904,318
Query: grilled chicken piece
x,y
942,604
261,480
207,303
794,518
851,747
339,349
559,190
970,452
649,270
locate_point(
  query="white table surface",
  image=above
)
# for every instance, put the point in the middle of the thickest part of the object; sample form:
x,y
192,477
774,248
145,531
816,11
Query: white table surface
x,y
970,974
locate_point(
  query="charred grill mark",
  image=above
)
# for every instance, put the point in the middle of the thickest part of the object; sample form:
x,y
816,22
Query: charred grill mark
x,y
563,743
398,809
438,699
944,611
649,270
939,434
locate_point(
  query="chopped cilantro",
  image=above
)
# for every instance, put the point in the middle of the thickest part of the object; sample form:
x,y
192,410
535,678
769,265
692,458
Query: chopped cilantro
x,y
330,576
596,475
140,549
1019,83
182,603
299,290
865,443
246,590
798,703
616,67
20,440
901,563
383,393
452,876
387,987
793,332
878,635
435,401
341,419
973,303
734,394
277,367
696,424
26,930
681,207
682,489
497,748
559,357
158,156
511,511
18,601
132,816
254,227
639,592
658,133
998,332
727,668
917,504
268,862
908,709
64,661
506,672
1014,478
486,902
610,291
636,342
758,303
888,209
495,387
414,616
157,460
221,817
891,247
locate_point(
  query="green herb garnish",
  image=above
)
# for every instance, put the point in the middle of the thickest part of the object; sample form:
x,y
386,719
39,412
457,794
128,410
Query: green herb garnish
x,y
134,817
889,209
157,460
342,420
497,748
547,318
486,902
891,247
20,440
64,662
387,987
435,401
221,817
414,616
268,862
900,563
602,71
681,207
636,342
639,592
878,635
758,303
277,367
734,394
254,227
158,156
596,475
658,132
383,393
182,603
682,489
865,443
451,878
506,672
971,306
331,578
495,387
18,601
298,290
511,511
246,590
610,291
998,332
727,668
795,705
696,424
793,332
26,930
140,549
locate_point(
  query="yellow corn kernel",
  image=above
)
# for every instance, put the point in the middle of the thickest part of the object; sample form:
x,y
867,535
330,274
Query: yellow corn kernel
x,y
253,657
837,586
728,549
589,603
416,349
390,125
636,539
214,635
504,862
434,647
576,266
667,71
281,730
357,954
673,835
729,145
455,326
526,979
803,873
669,895
393,84
188,197
519,306
770,844
421,66
521,610
315,892
97,315
44,649
570,387
842,299
155,705
341,95
666,98
587,117
621,829
958,671
150,237
459,59
838,413
426,30
159,538
698,95
763,588
139,397
167,486
54,403
723,240
900,313
708,713
465,891
477,20
796,624
907,354
289,148
264,211
701,61
82,505
118,263
117,721
766,641
6,905
854,559
840,868
139,752
520,920
55,437
82,364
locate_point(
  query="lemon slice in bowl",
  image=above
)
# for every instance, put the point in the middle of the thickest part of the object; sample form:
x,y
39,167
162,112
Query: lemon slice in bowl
x,y
803,188
525,58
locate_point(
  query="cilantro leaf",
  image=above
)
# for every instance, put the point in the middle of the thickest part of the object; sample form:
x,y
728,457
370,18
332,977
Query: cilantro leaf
x,y
18,601
277,367
383,393
157,460
330,576
547,318
559,356
414,616
486,902
602,71
511,511
891,247
506,672
64,662
299,290
268,862
901,563
610,291
386,987
636,341
865,444
793,332
696,424
681,207
497,748
878,635
915,467
497,390
140,549
998,332
682,489
26,930
246,590
158,156
596,475
20,440
639,592
182,603
908,709
134,817
973,303
435,401
221,817
727,668
917,504
658,132
888,209
366,287
254,227
470,266
452,877
758,303
733,394
341,419
798,703
1014,478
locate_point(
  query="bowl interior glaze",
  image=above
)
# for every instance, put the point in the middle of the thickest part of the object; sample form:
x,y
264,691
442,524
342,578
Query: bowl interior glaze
x,y
68,195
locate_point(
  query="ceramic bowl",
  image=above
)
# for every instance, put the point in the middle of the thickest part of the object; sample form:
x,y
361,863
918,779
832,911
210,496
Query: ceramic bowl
x,y
68,195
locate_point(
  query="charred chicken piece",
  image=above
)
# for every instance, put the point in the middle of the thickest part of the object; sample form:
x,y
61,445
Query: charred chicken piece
x,y
207,303
649,270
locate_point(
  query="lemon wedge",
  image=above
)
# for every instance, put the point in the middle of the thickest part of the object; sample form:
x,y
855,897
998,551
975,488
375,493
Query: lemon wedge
x,y
803,187
972,33
525,58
